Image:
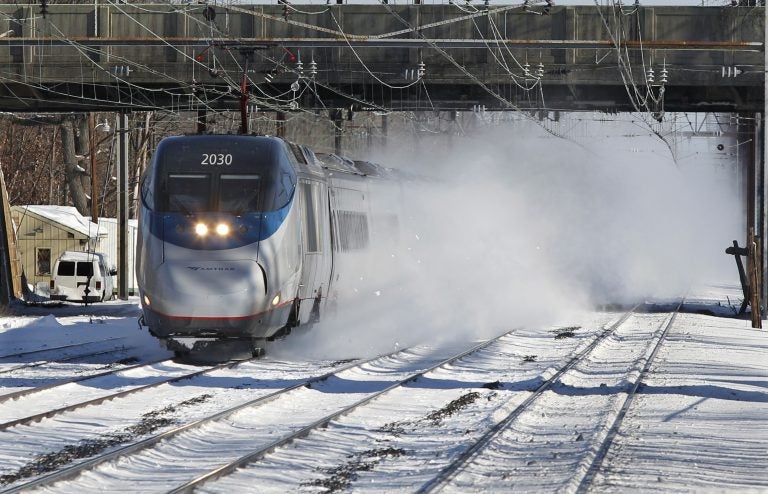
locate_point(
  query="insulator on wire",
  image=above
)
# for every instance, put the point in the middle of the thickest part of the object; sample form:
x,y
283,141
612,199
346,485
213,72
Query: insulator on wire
x,y
422,69
651,76
312,68
540,70
300,68
664,75
527,69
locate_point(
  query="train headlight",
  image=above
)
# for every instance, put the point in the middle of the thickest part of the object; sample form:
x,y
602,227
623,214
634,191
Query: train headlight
x,y
222,229
146,301
276,300
201,229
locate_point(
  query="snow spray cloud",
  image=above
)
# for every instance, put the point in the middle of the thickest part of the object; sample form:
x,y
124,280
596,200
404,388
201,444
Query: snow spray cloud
x,y
519,228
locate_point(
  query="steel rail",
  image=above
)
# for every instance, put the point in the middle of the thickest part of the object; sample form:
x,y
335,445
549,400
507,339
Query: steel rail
x,y
589,476
321,423
25,392
51,413
52,349
61,360
448,472
75,470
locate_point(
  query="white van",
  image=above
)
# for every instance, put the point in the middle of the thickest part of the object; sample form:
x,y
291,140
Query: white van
x,y
74,271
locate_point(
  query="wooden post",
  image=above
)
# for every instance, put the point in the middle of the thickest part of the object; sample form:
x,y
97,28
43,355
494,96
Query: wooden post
x,y
6,285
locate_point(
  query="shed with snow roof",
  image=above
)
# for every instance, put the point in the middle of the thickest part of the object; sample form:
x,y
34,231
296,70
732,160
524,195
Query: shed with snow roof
x,y
44,232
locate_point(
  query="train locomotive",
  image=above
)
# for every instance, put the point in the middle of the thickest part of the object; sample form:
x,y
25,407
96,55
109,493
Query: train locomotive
x,y
243,237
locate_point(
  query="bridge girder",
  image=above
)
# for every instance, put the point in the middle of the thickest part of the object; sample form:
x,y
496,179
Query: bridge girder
x,y
380,57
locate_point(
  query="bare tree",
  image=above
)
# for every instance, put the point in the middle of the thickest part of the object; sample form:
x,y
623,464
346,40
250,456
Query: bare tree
x,y
142,141
74,172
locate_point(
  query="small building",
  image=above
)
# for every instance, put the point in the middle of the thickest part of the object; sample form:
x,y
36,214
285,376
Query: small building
x,y
44,232
109,247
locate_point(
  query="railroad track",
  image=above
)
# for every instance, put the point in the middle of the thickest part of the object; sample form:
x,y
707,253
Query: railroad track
x,y
244,444
161,373
58,366
55,350
602,435
58,383
234,434
60,360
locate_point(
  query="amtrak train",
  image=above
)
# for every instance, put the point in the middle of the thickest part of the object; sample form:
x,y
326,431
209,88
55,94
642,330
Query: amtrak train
x,y
243,237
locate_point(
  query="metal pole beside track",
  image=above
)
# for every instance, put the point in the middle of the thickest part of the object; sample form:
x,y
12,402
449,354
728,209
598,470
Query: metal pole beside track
x,y
763,227
122,207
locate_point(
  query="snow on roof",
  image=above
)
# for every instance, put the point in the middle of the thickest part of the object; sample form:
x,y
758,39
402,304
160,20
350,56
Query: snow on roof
x,y
131,223
75,255
66,216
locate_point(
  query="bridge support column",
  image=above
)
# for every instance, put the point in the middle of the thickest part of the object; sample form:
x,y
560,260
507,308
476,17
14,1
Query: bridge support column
x,y
122,206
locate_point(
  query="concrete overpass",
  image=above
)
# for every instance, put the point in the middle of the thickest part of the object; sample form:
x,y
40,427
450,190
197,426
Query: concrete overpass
x,y
110,56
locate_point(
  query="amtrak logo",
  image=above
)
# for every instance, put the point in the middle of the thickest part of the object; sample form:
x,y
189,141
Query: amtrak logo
x,y
201,268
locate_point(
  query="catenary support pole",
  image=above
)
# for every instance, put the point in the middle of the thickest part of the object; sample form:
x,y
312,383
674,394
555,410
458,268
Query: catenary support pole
x,y
747,132
92,153
122,207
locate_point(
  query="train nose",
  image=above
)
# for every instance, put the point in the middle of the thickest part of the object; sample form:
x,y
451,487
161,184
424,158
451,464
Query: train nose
x,y
213,288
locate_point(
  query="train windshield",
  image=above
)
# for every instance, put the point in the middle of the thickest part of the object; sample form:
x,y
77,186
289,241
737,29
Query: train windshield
x,y
219,173
238,193
188,193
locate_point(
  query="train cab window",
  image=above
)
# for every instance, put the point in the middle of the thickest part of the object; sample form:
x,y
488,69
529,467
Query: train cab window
x,y
188,193
148,191
239,193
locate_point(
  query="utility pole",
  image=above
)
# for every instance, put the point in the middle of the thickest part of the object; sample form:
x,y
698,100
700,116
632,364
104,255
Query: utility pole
x,y
92,152
122,206
6,283
763,228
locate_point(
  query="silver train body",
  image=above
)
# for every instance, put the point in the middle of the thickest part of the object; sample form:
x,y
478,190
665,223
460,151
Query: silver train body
x,y
242,237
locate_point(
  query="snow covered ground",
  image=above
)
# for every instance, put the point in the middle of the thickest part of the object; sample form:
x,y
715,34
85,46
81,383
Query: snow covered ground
x,y
699,424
